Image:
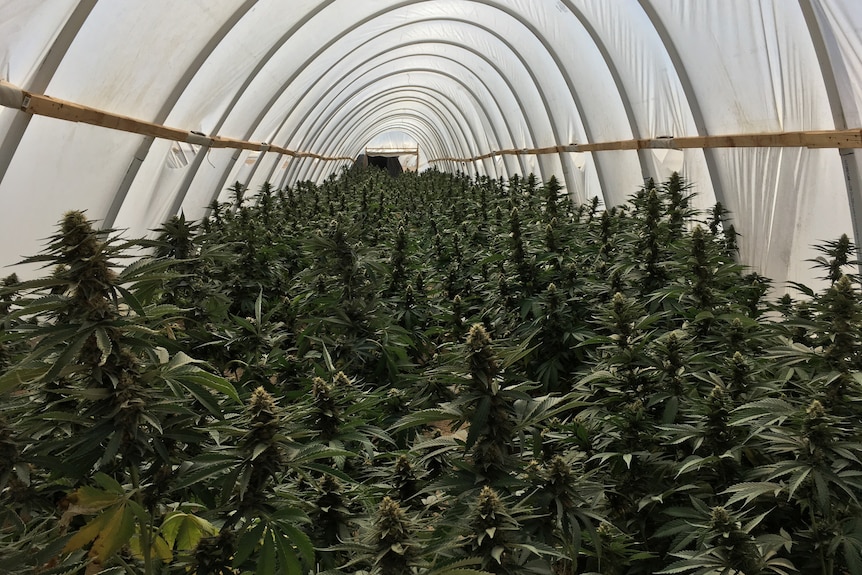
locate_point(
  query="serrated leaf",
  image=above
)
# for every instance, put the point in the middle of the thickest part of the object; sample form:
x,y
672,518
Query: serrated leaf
x,y
458,567
205,398
595,376
258,449
302,541
248,543
117,531
288,562
86,534
749,491
258,304
162,310
104,343
162,355
88,500
67,357
692,462
142,265
162,550
180,359
108,483
108,532
755,522
213,382
422,418
171,526
796,480
327,358
38,305
22,471
184,530
17,377
132,301
266,559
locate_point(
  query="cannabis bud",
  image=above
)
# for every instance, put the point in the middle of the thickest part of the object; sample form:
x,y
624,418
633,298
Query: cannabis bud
x,y
815,410
478,338
319,388
722,522
341,380
262,404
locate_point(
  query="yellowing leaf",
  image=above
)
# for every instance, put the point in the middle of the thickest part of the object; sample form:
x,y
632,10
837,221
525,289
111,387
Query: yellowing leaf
x,y
117,531
109,531
159,548
87,533
88,501
184,530
162,550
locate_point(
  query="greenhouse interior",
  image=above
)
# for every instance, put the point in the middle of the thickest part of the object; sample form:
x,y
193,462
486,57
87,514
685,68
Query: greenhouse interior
x,y
431,287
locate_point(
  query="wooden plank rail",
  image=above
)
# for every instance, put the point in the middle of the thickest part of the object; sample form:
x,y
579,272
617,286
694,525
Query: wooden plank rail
x,y
39,104
42,105
807,139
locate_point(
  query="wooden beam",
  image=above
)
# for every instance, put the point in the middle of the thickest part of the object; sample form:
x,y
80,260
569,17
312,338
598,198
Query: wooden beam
x,y
811,139
392,151
42,105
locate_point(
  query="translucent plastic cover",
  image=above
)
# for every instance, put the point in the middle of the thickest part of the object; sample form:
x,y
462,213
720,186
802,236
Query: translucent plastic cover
x,y
458,79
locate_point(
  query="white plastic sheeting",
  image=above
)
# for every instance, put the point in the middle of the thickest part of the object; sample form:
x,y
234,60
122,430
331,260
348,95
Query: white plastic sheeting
x,y
461,78
398,144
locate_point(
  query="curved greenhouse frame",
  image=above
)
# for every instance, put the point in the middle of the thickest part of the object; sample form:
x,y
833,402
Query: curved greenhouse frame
x,y
755,102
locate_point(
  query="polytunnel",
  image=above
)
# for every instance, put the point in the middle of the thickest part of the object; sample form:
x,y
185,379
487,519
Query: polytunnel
x,y
136,111
430,287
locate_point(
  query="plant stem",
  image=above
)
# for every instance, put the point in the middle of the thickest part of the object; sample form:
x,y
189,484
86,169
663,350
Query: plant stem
x,y
145,528
825,564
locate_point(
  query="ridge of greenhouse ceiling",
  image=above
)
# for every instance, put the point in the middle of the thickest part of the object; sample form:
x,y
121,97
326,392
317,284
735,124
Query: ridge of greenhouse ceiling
x,y
338,86
376,90
369,94
354,131
385,114
382,125
366,21
524,66
426,43
424,126
428,134
496,109
321,115
536,33
513,50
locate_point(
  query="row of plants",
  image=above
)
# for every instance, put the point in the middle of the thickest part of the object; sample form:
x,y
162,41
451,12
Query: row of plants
x,y
432,374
